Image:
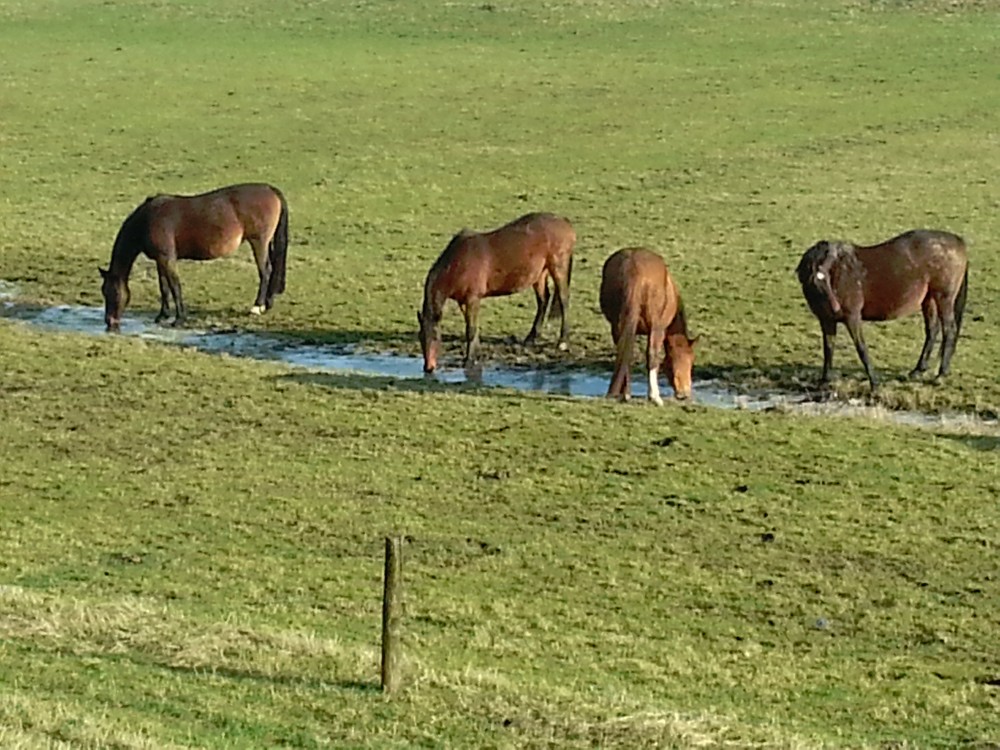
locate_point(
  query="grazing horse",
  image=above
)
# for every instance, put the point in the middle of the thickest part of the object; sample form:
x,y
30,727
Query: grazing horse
x,y
919,270
474,265
168,228
639,296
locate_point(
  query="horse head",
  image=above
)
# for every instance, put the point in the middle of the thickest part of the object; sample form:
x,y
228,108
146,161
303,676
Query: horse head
x,y
116,298
816,272
679,362
430,339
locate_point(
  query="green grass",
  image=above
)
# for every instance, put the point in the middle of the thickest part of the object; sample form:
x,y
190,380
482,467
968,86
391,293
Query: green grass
x,y
571,579
730,137
192,545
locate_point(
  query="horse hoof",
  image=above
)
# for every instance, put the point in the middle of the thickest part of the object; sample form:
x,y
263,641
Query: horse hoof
x,y
916,374
257,310
657,401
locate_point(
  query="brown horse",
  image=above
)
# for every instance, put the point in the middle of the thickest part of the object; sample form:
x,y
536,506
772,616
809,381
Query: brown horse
x,y
639,296
168,228
919,270
474,265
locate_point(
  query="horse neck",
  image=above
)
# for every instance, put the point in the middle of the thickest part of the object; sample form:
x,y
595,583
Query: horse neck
x,y
678,326
434,297
130,240
123,258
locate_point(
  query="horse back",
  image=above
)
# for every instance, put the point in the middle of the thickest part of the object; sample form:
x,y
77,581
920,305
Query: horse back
x,y
530,237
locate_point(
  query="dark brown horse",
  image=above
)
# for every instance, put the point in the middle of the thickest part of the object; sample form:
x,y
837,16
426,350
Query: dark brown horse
x,y
639,297
168,228
474,265
920,270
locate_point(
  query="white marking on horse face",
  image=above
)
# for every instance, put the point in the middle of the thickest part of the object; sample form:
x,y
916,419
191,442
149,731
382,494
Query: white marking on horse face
x,y
654,387
820,275
256,310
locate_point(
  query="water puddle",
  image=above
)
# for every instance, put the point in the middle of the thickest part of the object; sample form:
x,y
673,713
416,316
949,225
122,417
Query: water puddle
x,y
348,359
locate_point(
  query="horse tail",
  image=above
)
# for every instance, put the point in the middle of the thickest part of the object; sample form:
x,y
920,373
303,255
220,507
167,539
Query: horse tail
x,y
277,251
628,324
963,293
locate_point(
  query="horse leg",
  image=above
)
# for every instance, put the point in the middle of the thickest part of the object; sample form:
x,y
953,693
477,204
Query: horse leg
x,y
542,296
854,328
262,302
949,334
164,294
168,268
654,354
626,390
560,279
931,323
619,379
829,339
471,312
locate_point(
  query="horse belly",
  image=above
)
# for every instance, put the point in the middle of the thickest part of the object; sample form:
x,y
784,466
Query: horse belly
x,y
210,245
511,281
888,306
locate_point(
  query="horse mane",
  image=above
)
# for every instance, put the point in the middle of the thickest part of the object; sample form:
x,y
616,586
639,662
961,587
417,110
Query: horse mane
x,y
680,319
131,237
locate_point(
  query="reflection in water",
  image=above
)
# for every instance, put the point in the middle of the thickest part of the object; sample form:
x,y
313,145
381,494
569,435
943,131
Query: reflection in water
x,y
341,358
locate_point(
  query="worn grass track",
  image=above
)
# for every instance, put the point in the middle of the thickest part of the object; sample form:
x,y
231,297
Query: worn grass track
x,y
191,545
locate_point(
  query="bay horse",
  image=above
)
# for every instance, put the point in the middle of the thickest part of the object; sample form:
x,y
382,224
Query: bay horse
x,y
639,297
524,253
168,228
921,269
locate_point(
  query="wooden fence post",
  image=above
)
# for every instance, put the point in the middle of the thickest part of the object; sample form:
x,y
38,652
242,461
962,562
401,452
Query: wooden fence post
x,y
392,615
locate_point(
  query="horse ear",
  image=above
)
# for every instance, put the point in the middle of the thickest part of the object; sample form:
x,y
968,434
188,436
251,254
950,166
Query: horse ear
x,y
104,274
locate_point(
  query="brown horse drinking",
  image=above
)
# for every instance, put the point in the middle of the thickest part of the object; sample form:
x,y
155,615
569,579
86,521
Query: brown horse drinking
x,y
638,296
919,270
168,228
474,265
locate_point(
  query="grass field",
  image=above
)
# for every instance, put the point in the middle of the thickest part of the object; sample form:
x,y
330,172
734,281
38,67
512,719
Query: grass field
x,y
192,544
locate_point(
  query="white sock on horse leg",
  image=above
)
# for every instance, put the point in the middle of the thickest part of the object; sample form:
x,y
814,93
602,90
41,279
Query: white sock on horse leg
x,y
654,387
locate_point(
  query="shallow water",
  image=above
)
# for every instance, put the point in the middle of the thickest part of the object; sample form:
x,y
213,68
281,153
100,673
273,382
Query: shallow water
x,y
348,359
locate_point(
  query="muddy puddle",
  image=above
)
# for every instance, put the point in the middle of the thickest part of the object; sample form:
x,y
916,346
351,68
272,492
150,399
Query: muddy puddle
x,y
348,359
